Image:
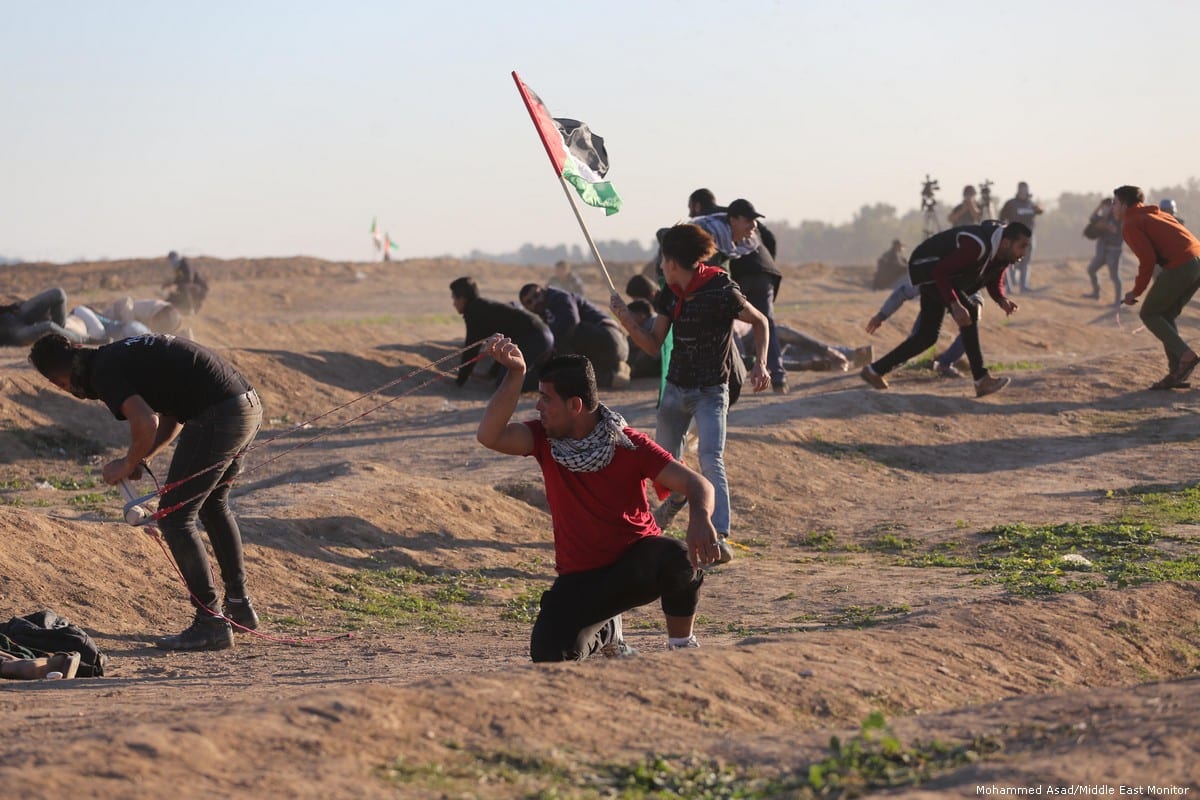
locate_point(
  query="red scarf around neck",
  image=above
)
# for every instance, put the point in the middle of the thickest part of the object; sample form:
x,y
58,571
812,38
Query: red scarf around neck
x,y
704,274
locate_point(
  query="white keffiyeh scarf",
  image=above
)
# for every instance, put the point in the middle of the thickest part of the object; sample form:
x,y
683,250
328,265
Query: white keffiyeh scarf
x,y
595,451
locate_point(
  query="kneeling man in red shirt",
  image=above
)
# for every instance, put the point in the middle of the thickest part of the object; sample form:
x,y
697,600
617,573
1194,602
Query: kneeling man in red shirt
x,y
609,553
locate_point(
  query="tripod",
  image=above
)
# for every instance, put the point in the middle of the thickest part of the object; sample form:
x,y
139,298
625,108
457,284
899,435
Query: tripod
x,y
985,200
932,224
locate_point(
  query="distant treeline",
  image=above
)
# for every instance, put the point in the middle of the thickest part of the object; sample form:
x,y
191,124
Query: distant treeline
x,y
1059,232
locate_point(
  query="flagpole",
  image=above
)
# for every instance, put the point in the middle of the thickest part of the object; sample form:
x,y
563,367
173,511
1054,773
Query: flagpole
x,y
587,234
566,188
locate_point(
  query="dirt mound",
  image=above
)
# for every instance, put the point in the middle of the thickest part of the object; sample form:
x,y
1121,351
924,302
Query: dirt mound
x,y
899,552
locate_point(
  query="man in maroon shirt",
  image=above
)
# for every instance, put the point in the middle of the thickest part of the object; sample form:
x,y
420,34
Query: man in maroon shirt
x,y
949,267
609,553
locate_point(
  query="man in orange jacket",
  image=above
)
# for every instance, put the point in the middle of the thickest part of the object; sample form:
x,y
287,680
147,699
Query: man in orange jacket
x,y
1157,238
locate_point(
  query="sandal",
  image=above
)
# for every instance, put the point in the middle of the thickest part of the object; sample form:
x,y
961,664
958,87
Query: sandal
x,y
65,663
36,669
1168,382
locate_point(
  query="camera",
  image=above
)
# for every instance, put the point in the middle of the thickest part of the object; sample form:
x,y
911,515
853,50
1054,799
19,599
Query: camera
x,y
927,189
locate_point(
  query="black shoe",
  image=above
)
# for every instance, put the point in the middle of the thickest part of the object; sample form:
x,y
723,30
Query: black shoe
x,y
241,611
205,633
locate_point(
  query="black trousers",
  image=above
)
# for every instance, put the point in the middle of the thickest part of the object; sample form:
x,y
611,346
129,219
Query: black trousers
x,y
577,608
216,437
925,334
760,289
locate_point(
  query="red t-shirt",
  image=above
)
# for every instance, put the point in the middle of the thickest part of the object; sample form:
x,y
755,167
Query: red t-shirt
x,y
598,515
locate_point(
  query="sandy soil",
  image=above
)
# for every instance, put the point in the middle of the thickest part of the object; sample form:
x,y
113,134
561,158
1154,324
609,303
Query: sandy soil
x,y
816,624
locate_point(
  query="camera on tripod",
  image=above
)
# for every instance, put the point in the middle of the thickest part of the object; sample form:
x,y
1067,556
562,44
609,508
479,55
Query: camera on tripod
x,y
985,192
927,193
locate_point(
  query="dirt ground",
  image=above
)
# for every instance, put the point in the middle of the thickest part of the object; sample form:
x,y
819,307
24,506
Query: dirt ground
x,y
398,533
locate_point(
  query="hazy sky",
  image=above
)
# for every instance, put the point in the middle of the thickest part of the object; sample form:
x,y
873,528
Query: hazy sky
x,y
281,128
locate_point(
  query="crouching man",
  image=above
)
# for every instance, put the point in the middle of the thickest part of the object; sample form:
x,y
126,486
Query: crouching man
x,y
609,554
167,388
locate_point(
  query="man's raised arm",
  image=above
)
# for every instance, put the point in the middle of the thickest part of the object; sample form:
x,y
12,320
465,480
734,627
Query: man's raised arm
x,y
496,432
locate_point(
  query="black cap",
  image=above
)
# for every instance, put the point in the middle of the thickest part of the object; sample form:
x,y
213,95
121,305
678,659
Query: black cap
x,y
742,208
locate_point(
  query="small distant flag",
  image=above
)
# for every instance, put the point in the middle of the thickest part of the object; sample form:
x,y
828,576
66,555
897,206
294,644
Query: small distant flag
x,y
375,233
578,155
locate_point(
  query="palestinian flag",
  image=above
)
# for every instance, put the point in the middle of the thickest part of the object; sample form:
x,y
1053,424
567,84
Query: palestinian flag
x,y
375,234
578,155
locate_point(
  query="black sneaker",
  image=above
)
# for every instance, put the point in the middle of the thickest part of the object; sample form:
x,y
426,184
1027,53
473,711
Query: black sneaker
x,y
205,633
241,611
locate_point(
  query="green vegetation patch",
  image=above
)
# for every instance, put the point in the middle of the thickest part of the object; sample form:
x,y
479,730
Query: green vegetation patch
x,y
870,616
1015,366
1163,505
524,607
874,759
404,596
1034,560
72,484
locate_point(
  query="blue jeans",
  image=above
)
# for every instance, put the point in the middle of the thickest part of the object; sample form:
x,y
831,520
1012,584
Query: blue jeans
x,y
217,436
708,405
1017,276
1110,256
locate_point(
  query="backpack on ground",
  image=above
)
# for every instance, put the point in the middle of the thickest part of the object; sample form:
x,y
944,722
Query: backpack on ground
x,y
46,633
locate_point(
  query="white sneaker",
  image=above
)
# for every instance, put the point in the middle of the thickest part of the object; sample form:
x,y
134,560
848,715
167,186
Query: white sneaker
x,y
616,647
690,644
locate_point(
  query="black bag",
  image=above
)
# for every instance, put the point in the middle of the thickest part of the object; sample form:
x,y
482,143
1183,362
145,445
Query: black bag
x,y
1094,229
46,633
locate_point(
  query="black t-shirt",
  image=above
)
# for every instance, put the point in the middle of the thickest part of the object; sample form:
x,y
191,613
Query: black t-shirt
x,y
703,332
174,376
485,317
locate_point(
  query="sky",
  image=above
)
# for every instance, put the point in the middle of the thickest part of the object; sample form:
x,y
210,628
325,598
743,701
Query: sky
x,y
269,128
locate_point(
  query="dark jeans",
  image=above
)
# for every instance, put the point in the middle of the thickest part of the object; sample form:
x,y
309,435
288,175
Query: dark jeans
x,y
604,345
577,609
1110,256
216,436
759,288
951,354
925,336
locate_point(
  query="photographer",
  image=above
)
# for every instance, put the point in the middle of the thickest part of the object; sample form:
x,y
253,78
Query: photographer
x,y
968,211
1024,210
1104,228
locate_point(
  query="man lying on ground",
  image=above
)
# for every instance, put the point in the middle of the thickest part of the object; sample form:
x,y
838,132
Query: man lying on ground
x,y
24,322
